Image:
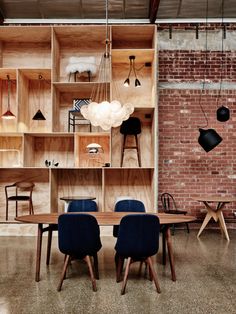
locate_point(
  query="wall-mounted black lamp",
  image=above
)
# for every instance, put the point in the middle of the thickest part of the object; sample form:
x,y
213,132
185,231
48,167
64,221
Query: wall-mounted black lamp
x,y
132,68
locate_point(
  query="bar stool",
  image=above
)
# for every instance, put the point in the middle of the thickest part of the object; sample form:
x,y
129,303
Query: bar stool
x,y
75,117
132,126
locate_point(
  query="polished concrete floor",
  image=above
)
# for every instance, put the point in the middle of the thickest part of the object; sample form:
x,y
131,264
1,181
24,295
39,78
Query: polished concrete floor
x,y
206,279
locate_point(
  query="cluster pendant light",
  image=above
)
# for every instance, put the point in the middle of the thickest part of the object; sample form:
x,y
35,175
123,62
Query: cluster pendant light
x,y
8,114
101,111
209,138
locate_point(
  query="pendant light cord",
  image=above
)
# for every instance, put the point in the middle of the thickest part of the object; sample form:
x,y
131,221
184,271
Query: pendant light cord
x,y
205,63
8,92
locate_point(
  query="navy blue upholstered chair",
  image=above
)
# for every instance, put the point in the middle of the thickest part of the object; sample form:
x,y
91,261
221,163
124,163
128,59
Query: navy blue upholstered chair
x,y
138,240
79,237
127,206
82,206
74,206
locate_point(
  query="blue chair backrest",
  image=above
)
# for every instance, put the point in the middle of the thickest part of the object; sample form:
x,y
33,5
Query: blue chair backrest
x,y
82,206
129,206
78,235
138,236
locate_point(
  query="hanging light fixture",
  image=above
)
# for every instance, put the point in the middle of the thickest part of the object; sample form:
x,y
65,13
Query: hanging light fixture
x,y
8,114
132,68
222,113
101,111
208,139
39,115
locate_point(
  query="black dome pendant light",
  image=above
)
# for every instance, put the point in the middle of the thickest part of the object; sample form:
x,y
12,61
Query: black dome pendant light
x,y
222,113
208,139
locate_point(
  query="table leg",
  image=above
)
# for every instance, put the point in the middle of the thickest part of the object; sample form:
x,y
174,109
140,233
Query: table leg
x,y
205,222
39,249
222,224
170,253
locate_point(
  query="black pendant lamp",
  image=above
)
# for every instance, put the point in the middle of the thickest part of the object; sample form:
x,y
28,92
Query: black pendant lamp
x,y
208,139
132,68
8,114
38,115
222,113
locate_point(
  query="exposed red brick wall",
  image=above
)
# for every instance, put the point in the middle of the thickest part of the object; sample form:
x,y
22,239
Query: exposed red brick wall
x,y
182,65
185,169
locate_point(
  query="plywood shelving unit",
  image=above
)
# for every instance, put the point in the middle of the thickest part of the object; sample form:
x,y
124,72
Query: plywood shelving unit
x,y
29,51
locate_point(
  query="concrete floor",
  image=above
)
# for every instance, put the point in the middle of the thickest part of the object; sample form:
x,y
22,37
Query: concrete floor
x,y
205,267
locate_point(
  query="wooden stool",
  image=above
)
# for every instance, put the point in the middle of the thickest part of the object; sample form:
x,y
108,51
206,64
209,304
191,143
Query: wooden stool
x,y
132,126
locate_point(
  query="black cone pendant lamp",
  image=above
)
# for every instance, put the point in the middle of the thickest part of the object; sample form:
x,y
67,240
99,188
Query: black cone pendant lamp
x,y
208,139
38,115
8,114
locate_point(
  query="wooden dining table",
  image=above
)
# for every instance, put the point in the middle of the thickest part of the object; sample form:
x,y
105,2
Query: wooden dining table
x,y
215,211
105,219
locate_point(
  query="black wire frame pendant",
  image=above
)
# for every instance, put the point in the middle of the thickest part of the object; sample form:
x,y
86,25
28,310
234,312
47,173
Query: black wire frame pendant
x,y
209,139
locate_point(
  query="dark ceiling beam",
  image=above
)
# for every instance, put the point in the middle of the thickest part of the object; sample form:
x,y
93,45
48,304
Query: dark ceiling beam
x,y
154,5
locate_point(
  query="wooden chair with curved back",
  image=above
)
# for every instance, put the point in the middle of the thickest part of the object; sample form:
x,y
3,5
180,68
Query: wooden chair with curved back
x,y
19,187
169,206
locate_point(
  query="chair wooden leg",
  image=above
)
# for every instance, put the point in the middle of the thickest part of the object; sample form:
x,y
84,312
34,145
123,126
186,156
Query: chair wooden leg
x,y
154,275
7,210
125,276
63,272
120,264
16,208
95,263
123,150
88,261
138,150
187,227
49,246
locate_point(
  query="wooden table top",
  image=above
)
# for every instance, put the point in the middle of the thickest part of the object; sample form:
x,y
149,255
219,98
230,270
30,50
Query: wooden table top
x,y
77,198
215,198
104,218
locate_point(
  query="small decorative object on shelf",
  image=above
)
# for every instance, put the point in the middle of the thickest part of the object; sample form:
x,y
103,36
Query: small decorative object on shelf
x,y
81,65
51,163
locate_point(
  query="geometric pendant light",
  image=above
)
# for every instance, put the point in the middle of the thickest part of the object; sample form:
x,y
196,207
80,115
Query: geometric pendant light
x,y
38,115
8,114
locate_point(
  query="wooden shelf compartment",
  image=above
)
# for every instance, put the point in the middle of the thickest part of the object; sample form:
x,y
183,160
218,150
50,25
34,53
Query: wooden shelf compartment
x,y
141,56
11,147
34,94
146,141
41,147
41,197
83,158
138,96
8,125
136,183
25,46
74,182
133,36
63,96
76,41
